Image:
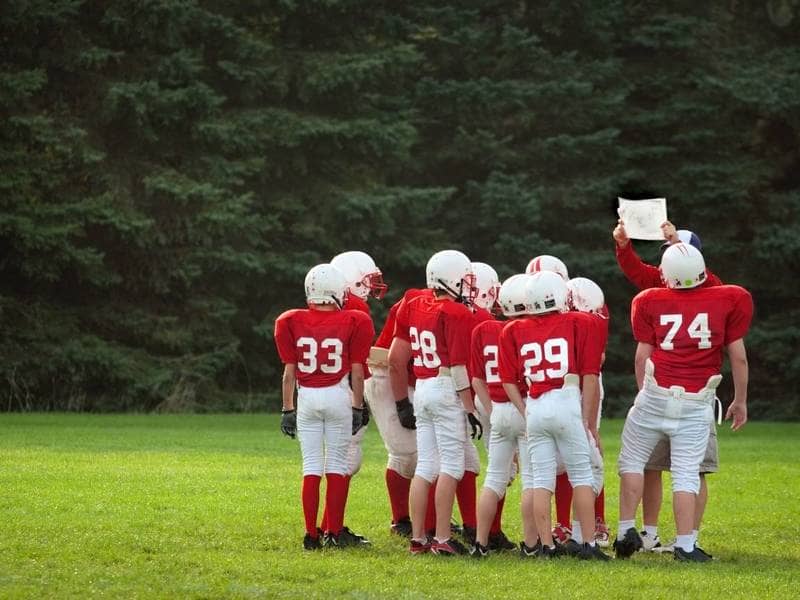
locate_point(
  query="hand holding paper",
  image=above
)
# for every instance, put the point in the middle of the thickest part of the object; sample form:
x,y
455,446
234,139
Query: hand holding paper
x,y
643,218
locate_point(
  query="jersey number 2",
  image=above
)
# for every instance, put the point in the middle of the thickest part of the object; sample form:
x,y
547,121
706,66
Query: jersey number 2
x,y
310,349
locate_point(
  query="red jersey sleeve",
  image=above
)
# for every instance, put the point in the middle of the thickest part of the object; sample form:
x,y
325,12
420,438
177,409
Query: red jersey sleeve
x,y
355,303
476,365
739,318
361,339
507,355
639,273
458,331
284,339
589,334
641,322
387,333
401,325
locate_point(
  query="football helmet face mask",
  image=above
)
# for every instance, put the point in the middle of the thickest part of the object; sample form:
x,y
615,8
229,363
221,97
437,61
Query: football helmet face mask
x,y
363,276
488,286
545,262
585,295
682,267
451,271
512,297
325,284
546,292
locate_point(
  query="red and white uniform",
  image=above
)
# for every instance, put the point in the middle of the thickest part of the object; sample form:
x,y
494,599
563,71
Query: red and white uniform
x,y
323,345
438,331
540,351
688,330
506,433
645,276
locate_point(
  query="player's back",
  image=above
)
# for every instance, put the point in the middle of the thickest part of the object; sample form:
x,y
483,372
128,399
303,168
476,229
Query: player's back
x,y
689,329
548,347
484,357
323,344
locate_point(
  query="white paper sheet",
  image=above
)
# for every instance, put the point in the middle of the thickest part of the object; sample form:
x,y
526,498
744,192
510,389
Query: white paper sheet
x,y
643,218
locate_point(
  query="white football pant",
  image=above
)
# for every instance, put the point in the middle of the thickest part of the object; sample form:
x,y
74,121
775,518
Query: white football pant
x,y
324,428
683,417
555,425
508,436
441,429
401,443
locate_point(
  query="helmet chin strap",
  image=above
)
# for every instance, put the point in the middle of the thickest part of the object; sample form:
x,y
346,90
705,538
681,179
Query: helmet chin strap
x,y
336,301
451,291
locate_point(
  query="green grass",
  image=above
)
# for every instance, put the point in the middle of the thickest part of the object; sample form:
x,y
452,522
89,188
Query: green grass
x,y
208,507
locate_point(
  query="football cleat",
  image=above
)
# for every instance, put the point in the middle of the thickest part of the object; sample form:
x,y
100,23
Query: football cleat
x,y
601,533
449,547
589,552
353,539
418,547
530,552
696,555
630,543
468,534
402,527
547,552
479,551
570,548
311,543
561,533
699,549
499,542
662,548
650,543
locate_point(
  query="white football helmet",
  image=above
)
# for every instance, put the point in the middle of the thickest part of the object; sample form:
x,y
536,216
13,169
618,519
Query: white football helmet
x,y
363,276
451,271
545,292
585,295
545,262
488,285
325,284
682,266
512,297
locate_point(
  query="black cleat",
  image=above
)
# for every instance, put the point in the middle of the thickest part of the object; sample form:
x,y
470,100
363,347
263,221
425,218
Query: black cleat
x,y
311,543
353,539
455,528
701,551
588,552
569,548
630,543
548,552
468,534
528,551
402,527
696,555
479,551
500,542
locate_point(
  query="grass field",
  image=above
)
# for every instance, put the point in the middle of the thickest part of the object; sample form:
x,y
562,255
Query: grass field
x,y
136,506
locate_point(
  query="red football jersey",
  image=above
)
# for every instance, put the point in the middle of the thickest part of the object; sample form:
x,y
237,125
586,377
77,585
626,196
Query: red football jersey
x,y
483,361
353,302
689,328
541,350
387,333
438,330
323,344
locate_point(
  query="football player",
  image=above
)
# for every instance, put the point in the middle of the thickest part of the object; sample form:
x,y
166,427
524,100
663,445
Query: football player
x,y
434,330
506,430
681,332
645,276
321,347
364,279
557,355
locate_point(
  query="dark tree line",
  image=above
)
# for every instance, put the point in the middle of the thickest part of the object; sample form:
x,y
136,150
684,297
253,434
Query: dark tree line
x,y
170,169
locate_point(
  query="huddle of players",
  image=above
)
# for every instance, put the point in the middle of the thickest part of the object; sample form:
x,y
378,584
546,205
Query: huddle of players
x,y
537,378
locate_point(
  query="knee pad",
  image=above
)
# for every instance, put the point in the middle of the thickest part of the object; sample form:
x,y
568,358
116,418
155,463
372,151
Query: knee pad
x,y
403,464
683,481
427,469
496,482
472,461
452,466
354,458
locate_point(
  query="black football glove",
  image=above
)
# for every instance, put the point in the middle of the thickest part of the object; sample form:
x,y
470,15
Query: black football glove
x,y
359,414
475,424
365,420
289,422
405,410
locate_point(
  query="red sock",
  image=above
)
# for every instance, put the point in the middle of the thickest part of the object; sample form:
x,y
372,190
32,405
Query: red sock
x,y
563,500
398,487
466,492
496,528
600,506
346,496
335,499
310,498
430,514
